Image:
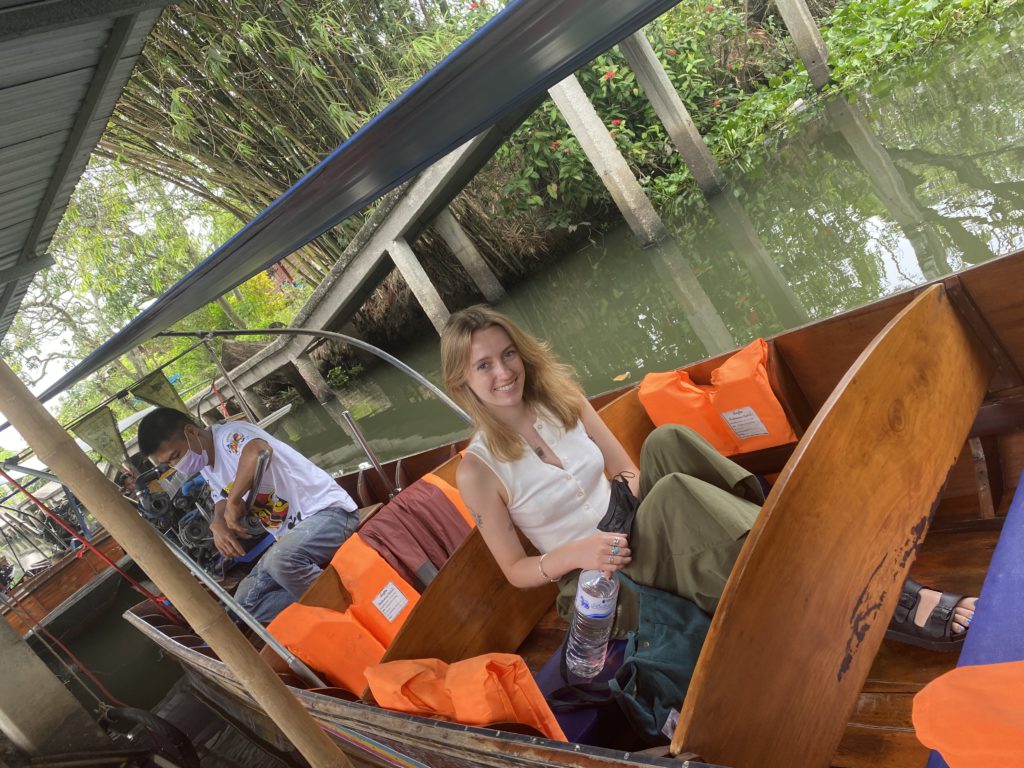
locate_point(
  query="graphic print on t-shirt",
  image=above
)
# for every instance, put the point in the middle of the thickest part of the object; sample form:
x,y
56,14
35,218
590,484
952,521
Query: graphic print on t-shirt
x,y
271,510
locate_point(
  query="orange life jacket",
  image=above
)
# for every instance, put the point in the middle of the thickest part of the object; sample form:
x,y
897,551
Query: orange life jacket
x,y
381,599
487,689
737,412
341,644
332,643
974,716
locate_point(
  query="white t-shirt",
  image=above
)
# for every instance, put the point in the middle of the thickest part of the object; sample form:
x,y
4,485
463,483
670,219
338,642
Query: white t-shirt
x,y
292,489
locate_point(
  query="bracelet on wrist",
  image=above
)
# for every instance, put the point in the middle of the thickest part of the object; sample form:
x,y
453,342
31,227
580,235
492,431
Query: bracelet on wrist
x,y
540,567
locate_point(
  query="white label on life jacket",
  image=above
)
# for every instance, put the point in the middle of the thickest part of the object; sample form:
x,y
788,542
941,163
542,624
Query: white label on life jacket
x,y
745,423
390,601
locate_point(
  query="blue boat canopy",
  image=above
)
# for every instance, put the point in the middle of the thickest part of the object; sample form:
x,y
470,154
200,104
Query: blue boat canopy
x,y
520,53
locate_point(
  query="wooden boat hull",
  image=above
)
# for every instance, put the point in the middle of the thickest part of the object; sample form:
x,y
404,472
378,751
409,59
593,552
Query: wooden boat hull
x,y
45,592
371,736
810,362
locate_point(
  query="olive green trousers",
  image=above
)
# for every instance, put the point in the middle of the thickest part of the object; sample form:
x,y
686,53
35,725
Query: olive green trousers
x,y
696,508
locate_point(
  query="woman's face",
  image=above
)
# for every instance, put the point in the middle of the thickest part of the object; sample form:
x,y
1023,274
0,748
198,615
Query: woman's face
x,y
496,372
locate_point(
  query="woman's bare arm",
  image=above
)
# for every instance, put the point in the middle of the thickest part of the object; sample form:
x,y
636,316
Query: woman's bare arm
x,y
616,459
483,494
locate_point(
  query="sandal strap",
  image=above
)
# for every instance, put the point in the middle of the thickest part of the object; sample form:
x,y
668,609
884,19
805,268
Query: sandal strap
x,y
910,596
940,620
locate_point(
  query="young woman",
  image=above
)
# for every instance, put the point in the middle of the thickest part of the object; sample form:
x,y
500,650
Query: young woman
x,y
539,465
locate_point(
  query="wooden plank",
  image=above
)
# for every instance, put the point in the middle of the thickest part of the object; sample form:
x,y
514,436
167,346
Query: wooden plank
x,y
470,608
1006,374
988,474
819,355
865,746
832,546
991,288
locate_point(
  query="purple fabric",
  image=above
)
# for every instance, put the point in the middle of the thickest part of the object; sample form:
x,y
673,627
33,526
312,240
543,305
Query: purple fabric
x,y
582,726
997,629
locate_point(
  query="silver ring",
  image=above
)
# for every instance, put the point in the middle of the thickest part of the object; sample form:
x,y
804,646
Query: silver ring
x,y
611,560
615,541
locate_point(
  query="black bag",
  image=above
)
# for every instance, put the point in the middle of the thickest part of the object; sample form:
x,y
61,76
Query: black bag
x,y
622,507
658,664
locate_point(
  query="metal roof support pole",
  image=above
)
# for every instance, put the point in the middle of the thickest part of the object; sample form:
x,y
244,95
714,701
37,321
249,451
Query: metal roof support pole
x,y
419,282
673,114
807,38
58,451
604,155
468,255
37,713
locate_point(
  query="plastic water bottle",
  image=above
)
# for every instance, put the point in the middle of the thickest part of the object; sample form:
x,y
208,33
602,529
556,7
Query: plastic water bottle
x,y
591,625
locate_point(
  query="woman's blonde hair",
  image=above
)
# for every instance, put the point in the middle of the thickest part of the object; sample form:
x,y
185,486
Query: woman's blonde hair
x,y
549,384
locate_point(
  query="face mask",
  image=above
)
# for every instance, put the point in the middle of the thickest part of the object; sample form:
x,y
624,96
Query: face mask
x,y
191,462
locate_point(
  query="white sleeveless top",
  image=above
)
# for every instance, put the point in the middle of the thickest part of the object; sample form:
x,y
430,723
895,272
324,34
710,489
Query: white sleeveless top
x,y
553,506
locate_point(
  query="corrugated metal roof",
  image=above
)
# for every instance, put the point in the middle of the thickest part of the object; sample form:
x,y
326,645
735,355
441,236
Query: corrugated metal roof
x,y
63,65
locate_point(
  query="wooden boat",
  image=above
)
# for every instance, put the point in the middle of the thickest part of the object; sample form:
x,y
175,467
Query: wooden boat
x,y
908,412
65,581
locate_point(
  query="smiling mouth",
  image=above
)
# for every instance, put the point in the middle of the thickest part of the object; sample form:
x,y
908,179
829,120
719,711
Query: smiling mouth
x,y
507,387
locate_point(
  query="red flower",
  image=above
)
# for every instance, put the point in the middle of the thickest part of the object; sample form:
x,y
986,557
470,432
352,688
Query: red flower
x,y
671,52
616,122
555,144
474,6
716,102
710,8
609,74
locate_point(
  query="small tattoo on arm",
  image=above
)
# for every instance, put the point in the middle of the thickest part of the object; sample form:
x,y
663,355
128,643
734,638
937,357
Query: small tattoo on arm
x,y
478,520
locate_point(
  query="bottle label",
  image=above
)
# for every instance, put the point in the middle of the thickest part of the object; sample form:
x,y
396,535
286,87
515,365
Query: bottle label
x,y
594,607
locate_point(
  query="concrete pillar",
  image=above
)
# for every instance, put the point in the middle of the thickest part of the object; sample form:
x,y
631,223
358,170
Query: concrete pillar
x,y
37,713
669,107
807,39
611,166
254,403
748,246
888,185
321,390
469,257
419,282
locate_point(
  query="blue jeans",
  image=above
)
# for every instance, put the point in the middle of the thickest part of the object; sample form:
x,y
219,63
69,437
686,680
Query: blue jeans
x,y
293,563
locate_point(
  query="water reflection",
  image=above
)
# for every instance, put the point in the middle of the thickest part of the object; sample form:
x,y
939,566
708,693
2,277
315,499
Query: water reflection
x,y
919,177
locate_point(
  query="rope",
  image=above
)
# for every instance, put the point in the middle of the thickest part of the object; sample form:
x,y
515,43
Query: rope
x,y
158,602
78,662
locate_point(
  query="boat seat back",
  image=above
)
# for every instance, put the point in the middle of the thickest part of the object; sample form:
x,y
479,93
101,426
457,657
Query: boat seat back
x,y
810,596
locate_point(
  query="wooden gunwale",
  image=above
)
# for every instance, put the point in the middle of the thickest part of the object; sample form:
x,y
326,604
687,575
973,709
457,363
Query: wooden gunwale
x,y
47,591
815,358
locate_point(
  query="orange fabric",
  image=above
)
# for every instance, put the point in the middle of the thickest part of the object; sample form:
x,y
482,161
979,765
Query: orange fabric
x,y
733,412
492,688
368,577
974,716
334,644
453,495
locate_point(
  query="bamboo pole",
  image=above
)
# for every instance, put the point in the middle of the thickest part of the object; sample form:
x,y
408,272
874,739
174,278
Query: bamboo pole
x,y
58,451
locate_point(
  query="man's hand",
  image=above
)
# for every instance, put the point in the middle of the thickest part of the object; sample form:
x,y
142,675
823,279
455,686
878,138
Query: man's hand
x,y
234,514
223,538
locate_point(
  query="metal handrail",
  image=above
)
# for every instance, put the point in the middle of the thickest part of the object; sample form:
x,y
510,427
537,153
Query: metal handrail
x,y
359,343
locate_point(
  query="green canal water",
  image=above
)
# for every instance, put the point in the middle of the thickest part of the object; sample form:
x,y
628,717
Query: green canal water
x,y
920,176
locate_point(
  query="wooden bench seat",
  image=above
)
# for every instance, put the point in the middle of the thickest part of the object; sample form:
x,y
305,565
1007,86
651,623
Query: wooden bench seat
x,y
807,605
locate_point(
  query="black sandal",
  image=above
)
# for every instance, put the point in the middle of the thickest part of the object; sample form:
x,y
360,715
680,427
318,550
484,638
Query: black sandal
x,y
937,633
